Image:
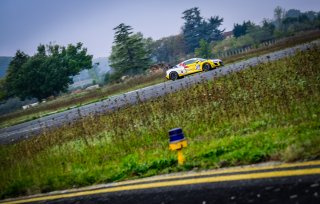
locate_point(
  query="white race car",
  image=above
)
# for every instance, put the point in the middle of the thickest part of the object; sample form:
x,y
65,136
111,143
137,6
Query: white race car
x,y
191,66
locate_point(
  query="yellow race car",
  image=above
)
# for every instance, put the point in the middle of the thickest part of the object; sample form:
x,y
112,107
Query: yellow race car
x,y
191,66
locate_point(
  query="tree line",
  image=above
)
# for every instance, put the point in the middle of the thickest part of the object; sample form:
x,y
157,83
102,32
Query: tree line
x,y
49,72
283,24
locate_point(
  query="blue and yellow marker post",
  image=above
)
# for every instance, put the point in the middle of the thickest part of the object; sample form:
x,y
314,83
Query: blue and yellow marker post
x,y
177,142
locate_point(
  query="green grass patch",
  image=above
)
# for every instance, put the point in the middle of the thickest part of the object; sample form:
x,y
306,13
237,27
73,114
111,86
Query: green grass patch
x,y
267,112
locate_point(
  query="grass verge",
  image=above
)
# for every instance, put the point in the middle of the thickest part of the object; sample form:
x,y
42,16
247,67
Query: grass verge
x,y
267,112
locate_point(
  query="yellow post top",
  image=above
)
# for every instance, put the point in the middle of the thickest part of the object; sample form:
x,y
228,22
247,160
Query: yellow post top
x,y
178,145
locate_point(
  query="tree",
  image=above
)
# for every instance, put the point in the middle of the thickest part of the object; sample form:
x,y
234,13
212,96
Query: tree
x,y
107,78
46,73
196,28
94,73
259,34
311,15
279,14
242,29
292,13
130,54
295,20
204,51
3,90
212,31
268,26
238,30
14,81
169,49
255,32
192,28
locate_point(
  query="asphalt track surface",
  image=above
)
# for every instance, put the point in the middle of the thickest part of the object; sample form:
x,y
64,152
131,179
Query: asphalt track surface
x,y
31,128
264,183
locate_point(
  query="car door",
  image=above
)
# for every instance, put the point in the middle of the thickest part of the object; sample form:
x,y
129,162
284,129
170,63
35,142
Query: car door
x,y
190,66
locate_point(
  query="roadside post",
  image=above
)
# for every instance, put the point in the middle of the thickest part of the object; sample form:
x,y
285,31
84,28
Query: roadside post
x,y
177,143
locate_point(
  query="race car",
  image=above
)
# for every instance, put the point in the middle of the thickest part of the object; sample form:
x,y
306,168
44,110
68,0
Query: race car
x,y
191,66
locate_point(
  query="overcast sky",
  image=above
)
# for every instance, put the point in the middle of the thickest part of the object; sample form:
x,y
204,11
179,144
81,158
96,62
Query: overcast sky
x,y
24,24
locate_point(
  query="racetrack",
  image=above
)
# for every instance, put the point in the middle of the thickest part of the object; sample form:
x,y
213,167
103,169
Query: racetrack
x,y
262,183
24,130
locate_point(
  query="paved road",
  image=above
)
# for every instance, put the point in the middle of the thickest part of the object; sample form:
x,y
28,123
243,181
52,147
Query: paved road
x,y
266,183
27,129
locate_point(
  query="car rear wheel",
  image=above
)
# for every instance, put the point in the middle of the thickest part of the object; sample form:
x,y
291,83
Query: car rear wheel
x,y
174,76
206,67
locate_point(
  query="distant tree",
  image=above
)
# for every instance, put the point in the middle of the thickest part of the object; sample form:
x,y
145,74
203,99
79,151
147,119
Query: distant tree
x,y
295,21
279,14
242,29
238,30
268,26
204,51
94,72
147,42
192,28
304,19
107,78
130,54
259,34
169,49
292,13
196,28
311,15
3,90
16,74
317,21
289,21
46,73
212,32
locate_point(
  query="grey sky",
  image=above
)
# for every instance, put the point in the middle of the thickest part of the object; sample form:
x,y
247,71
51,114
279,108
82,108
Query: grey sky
x,y
25,24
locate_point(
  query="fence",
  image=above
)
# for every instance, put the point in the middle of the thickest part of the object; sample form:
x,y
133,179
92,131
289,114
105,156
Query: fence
x,y
237,51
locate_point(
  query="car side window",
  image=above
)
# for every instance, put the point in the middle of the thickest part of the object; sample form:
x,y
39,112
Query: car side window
x,y
190,62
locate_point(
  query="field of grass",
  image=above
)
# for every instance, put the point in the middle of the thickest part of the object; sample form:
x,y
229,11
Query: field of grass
x,y
267,112
70,101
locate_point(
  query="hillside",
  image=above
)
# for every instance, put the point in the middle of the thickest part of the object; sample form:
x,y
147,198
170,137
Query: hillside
x,y
4,63
103,66
86,77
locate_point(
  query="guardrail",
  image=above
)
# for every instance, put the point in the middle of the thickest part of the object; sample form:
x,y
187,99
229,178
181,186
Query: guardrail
x,y
244,49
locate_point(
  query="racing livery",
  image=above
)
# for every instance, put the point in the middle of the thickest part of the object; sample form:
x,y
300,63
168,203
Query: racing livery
x,y
191,66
